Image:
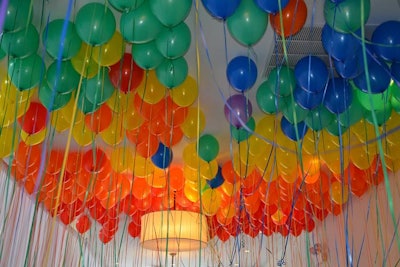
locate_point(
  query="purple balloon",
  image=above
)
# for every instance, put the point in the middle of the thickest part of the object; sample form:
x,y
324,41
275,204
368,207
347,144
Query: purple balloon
x,y
238,110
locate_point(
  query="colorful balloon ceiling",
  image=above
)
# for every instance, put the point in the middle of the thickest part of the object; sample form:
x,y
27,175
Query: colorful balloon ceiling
x,y
122,97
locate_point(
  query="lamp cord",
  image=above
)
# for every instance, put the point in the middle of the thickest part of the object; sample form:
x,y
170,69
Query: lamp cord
x,y
173,254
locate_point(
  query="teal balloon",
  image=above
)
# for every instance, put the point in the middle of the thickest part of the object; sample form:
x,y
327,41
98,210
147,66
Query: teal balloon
x,y
146,55
293,112
281,81
2,54
51,99
208,147
140,25
267,101
95,23
248,23
27,72
382,115
99,88
17,15
170,12
335,128
64,80
353,114
21,43
55,47
174,42
319,118
241,134
346,16
125,5
172,72
84,104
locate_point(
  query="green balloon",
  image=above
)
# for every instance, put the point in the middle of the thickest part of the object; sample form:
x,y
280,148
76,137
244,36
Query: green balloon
x,y
319,118
99,88
241,134
282,80
394,90
172,72
395,104
140,25
95,23
346,16
353,114
373,101
65,80
146,55
21,43
293,112
125,5
248,24
17,15
170,12
336,129
84,104
382,115
267,101
52,100
52,42
208,147
26,73
2,54
174,42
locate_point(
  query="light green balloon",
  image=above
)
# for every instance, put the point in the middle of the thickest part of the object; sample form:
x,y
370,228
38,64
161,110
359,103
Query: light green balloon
x,y
146,55
21,43
267,101
347,15
26,73
174,42
172,72
170,12
18,15
248,24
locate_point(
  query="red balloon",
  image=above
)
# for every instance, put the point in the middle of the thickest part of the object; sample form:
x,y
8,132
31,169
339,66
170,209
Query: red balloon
x,y
34,119
125,74
83,224
134,229
99,120
294,16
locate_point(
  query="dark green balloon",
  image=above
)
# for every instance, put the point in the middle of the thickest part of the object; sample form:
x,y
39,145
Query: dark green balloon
x,y
281,81
267,101
26,73
84,104
172,72
64,80
353,114
174,42
241,134
293,112
319,118
21,43
170,12
99,88
208,147
146,55
395,104
17,15
2,54
373,101
336,129
51,38
125,5
52,100
382,115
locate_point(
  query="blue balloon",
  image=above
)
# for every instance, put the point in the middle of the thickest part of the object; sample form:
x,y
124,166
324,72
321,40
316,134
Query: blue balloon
x,y
338,95
217,181
386,40
271,6
241,73
306,99
289,129
349,68
311,74
379,77
339,46
163,157
221,9
395,72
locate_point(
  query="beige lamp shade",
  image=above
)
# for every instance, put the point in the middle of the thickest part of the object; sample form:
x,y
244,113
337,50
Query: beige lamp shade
x,y
174,231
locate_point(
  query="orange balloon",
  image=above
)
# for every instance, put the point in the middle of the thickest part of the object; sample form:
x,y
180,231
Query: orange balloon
x,y
294,16
171,136
140,188
148,110
174,115
99,120
176,179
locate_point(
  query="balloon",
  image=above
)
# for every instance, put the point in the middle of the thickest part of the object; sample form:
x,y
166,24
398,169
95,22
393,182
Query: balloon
x,y
248,23
174,42
62,78
339,193
353,114
281,81
217,181
8,140
238,109
208,147
319,118
267,101
21,43
293,112
338,95
84,104
211,201
34,119
241,73
26,73
395,72
121,159
311,74
194,123
272,6
172,72
114,133
241,134
350,67
379,78
83,62
125,74
146,55
290,129
346,16
151,90
339,45
83,224
83,136
185,94
140,25
53,43
110,52
125,5
99,88
170,12
17,15
294,16
132,118
306,99
221,9
173,114
99,120
381,115
95,23
163,157
52,100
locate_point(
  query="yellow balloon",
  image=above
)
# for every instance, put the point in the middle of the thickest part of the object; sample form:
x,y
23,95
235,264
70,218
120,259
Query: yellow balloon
x,y
8,140
208,170
241,168
244,153
335,157
194,123
309,145
141,167
83,62
121,159
186,93
111,52
11,93
67,112
119,101
33,139
132,118
267,126
58,121
83,136
157,179
339,193
210,201
114,134
11,111
151,90
265,163
190,156
190,174
359,156
230,189
286,159
191,192
363,130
